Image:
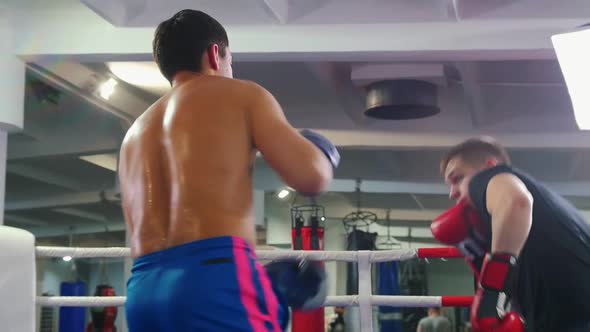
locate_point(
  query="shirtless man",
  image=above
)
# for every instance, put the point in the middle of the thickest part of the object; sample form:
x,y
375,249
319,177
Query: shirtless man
x,y
186,182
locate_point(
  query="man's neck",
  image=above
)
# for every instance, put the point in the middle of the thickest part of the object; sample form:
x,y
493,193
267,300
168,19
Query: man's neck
x,y
186,76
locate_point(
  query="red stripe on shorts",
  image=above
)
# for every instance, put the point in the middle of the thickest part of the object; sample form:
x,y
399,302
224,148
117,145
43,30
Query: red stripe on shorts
x,y
248,292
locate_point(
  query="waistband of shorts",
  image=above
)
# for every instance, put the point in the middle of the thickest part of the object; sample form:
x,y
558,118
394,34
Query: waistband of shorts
x,y
194,249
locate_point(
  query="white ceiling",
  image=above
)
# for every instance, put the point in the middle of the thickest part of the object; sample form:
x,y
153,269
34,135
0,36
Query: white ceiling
x,y
492,61
148,13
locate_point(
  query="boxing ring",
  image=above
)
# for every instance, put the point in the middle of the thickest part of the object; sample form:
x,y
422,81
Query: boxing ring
x,y
18,251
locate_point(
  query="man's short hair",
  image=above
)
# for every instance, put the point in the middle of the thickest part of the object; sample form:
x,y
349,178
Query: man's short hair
x,y
475,151
180,41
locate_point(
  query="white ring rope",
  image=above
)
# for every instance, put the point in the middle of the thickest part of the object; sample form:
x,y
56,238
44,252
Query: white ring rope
x,y
324,255
82,252
81,301
364,258
338,300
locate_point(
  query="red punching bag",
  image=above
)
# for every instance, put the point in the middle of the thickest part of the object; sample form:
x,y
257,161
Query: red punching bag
x,y
308,237
103,318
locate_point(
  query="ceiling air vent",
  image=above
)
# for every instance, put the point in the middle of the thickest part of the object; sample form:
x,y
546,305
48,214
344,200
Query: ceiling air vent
x,y
401,99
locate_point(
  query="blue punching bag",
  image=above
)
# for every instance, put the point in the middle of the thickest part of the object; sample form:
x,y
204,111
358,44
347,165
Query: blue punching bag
x,y
390,318
72,319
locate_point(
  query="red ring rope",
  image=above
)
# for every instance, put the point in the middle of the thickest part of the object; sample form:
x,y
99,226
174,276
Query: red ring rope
x,y
456,301
449,252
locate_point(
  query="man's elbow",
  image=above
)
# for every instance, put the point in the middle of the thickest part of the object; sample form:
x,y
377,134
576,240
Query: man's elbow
x,y
508,194
323,182
521,202
317,179
519,209
511,223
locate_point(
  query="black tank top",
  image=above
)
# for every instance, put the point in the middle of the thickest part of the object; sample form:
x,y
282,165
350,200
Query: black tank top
x,y
553,287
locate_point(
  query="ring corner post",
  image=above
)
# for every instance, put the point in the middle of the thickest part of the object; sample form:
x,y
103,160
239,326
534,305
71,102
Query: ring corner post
x,y
18,285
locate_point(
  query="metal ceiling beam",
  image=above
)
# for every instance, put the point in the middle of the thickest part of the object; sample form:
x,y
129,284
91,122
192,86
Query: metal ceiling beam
x,y
82,214
74,147
469,9
26,221
43,175
278,10
285,11
51,231
472,93
55,201
119,13
449,41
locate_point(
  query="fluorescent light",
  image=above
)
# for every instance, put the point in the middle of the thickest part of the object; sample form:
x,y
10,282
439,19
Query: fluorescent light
x,y
67,258
145,75
108,161
107,88
573,54
283,193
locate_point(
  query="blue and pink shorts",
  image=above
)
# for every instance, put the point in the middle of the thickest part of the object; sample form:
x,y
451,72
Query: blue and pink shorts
x,y
208,285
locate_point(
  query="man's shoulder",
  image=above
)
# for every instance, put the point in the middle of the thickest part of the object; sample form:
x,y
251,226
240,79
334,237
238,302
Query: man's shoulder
x,y
443,320
144,120
424,320
237,83
238,89
490,172
480,181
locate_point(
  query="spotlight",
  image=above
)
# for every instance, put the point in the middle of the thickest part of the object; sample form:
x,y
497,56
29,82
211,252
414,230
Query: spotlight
x,y
572,50
107,88
283,193
67,258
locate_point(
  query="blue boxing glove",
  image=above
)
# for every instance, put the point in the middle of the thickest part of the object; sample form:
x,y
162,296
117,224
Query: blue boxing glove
x,y
323,144
302,284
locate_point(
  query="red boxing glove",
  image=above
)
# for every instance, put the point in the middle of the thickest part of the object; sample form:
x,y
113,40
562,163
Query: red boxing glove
x,y
460,226
490,311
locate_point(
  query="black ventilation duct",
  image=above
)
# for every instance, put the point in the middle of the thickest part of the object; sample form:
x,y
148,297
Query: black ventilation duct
x,y
401,100
44,93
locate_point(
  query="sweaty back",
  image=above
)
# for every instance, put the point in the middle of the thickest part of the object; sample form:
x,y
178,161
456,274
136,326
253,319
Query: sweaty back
x,y
185,168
